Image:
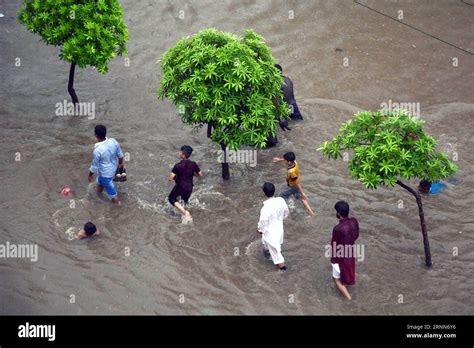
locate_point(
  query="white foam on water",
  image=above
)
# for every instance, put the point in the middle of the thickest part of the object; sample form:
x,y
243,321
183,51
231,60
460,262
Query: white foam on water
x,y
142,204
187,219
203,191
196,202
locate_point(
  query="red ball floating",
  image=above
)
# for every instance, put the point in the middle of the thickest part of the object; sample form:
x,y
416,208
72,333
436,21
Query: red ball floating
x,y
66,191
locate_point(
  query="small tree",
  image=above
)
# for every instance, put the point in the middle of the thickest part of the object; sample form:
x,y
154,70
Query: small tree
x,y
228,83
90,32
389,147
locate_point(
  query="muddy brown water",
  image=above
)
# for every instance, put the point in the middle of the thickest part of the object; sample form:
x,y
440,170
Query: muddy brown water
x,y
170,262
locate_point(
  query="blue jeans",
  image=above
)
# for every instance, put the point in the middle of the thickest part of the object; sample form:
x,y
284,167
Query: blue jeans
x,y
108,185
291,190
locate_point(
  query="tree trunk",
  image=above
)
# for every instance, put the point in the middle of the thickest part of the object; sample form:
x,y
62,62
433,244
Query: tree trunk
x,y
225,165
209,130
70,85
424,232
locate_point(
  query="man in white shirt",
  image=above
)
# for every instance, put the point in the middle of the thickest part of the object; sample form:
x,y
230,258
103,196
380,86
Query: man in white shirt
x,y
270,225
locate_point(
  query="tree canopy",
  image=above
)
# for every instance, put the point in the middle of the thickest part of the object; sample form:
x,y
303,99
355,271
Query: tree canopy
x,y
388,146
227,82
91,32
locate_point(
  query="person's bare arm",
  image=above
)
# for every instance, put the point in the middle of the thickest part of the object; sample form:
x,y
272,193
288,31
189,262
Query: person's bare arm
x,y
171,176
200,173
278,159
94,168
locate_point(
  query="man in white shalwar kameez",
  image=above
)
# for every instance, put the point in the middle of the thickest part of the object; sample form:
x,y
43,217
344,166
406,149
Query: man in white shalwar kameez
x,y
270,225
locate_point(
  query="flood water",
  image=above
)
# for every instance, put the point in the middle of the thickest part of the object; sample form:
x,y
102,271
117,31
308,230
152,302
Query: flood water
x,y
146,261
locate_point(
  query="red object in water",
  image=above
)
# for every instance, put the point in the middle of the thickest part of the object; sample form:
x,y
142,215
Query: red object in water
x,y
66,191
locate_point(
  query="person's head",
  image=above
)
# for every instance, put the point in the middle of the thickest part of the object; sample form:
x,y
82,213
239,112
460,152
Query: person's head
x,y
424,186
278,66
289,157
185,152
268,189
100,132
342,209
90,228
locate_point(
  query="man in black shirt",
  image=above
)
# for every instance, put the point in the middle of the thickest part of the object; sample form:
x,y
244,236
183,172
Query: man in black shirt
x,y
183,173
288,94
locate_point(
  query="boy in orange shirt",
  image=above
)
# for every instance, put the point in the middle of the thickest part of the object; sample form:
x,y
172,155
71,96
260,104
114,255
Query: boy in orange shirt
x,y
293,180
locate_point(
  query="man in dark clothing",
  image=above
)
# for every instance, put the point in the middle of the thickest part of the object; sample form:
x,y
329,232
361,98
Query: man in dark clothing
x,y
183,173
343,248
289,95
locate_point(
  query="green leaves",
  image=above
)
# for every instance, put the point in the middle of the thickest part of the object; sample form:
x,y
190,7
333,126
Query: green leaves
x,y
331,149
386,167
424,145
388,146
90,32
210,71
370,179
405,155
228,81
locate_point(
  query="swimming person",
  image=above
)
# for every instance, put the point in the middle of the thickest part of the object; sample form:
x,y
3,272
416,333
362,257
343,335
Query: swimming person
x,y
183,173
89,230
432,188
289,95
104,163
344,235
293,180
270,225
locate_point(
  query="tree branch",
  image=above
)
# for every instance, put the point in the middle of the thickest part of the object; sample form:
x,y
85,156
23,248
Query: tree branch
x,y
421,213
70,86
408,188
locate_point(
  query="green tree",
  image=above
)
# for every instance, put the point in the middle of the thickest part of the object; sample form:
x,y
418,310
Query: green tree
x,y
90,32
228,83
389,147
